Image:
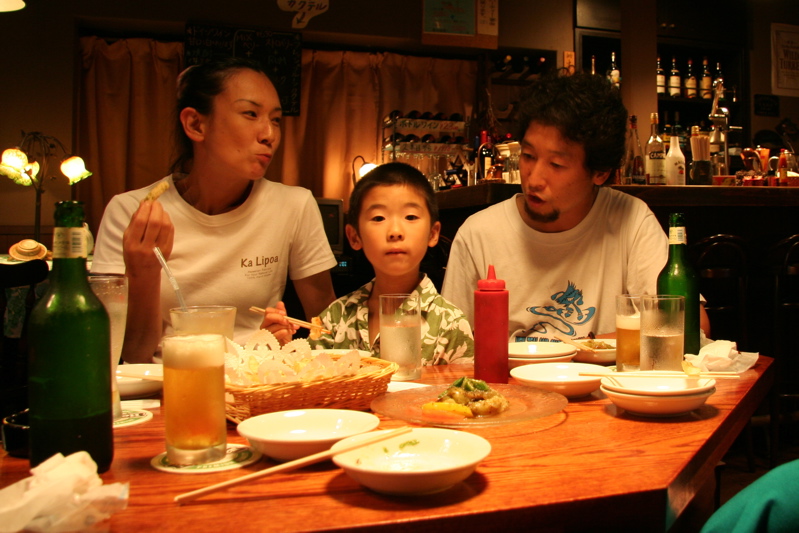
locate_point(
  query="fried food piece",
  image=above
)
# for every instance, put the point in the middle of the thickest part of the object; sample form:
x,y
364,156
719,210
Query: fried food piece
x,y
472,395
447,406
316,329
156,191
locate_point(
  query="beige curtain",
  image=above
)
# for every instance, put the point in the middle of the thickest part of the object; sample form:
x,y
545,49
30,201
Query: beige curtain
x,y
127,93
126,98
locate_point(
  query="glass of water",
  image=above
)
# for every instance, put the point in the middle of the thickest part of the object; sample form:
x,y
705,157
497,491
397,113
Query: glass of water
x,y
401,334
662,332
113,292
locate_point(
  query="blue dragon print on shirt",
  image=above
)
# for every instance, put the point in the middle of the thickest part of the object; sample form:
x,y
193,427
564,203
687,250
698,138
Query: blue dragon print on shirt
x,y
566,312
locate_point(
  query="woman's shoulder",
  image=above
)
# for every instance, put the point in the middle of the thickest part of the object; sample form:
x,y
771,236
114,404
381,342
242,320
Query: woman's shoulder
x,y
280,192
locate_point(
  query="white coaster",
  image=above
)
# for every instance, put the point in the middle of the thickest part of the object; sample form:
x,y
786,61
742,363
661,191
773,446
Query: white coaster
x,y
236,456
131,417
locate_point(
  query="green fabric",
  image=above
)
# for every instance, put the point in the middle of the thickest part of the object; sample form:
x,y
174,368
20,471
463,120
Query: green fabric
x,y
770,504
446,334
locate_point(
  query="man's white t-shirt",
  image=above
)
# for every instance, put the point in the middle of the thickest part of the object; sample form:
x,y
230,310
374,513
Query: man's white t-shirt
x,y
563,282
239,258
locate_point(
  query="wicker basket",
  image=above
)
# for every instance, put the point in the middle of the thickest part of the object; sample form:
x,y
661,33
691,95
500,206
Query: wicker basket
x,y
343,392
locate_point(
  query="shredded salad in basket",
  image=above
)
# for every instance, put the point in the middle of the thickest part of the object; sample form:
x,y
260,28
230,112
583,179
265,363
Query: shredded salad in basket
x,y
262,361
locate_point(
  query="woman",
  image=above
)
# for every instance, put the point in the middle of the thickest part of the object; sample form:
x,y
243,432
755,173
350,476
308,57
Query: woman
x,y
231,236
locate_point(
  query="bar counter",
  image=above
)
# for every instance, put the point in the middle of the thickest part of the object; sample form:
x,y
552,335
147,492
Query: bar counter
x,y
590,467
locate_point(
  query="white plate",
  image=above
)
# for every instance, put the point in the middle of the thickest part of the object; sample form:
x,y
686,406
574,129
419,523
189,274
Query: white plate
x,y
514,362
362,353
605,356
656,386
657,405
131,387
563,378
288,435
537,350
425,461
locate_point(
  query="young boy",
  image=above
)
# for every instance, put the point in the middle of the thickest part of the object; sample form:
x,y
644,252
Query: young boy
x,y
393,218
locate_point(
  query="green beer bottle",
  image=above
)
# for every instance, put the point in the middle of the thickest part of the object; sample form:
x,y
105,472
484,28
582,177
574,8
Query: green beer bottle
x,y
69,373
679,278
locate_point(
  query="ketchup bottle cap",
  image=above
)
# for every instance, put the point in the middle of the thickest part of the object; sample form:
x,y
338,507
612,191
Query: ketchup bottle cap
x,y
491,283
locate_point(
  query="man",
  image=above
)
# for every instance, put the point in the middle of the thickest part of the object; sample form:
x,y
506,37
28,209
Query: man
x,y
567,245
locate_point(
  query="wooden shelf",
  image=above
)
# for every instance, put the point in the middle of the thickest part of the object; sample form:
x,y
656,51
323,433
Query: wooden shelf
x,y
712,196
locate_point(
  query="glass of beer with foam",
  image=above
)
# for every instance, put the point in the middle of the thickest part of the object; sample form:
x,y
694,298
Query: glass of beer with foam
x,y
194,398
628,332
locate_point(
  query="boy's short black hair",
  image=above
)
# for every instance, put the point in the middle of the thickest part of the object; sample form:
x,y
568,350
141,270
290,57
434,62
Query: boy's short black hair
x,y
585,108
391,174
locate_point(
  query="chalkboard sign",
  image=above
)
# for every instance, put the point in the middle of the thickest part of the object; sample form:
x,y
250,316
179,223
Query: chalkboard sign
x,y
280,53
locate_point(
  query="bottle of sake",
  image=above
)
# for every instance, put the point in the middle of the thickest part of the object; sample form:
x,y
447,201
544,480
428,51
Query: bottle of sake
x,y
679,278
69,372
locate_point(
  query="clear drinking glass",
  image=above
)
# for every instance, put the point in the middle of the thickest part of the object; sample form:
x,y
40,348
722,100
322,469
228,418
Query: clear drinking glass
x,y
194,398
197,319
628,332
662,332
113,292
401,334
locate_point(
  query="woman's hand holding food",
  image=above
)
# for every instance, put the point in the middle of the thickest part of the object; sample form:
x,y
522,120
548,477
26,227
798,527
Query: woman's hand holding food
x,y
275,321
150,226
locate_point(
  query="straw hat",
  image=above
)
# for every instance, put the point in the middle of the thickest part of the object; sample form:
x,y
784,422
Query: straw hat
x,y
28,249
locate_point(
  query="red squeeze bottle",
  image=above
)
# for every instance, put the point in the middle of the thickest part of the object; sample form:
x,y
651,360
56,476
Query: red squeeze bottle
x,y
491,329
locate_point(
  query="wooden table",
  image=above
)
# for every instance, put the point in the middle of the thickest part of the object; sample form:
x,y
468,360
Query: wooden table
x,y
590,467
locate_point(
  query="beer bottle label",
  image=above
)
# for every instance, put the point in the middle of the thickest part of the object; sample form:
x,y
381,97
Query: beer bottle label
x,y
69,243
677,235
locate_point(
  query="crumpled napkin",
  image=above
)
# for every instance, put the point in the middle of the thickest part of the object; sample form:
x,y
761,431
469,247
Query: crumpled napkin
x,y
63,494
721,356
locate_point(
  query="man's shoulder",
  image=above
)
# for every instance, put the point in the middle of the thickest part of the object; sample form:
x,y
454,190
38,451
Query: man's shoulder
x,y
492,215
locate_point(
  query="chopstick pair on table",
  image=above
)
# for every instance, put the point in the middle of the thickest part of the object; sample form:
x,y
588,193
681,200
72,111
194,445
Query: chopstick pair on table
x,y
291,320
291,465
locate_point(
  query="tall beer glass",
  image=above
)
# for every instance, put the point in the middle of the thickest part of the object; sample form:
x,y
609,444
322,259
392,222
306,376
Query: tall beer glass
x,y
194,398
628,332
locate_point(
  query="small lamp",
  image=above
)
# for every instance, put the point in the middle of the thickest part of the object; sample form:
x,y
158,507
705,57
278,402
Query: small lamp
x,y
35,145
362,170
11,5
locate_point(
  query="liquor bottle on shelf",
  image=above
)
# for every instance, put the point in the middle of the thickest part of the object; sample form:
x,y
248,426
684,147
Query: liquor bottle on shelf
x,y
674,79
719,78
678,277
661,78
593,64
654,154
485,156
633,172
69,372
674,164
690,80
706,83
678,133
613,74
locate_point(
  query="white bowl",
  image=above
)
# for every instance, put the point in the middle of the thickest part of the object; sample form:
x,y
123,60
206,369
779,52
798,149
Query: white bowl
x,y
563,378
604,356
288,435
133,387
647,405
658,386
536,350
514,362
424,461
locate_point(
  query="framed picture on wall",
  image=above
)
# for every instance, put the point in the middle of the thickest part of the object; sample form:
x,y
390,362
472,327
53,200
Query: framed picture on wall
x,y
470,23
785,60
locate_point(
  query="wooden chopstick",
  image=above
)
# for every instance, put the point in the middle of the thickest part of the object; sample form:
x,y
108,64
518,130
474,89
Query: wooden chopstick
x,y
654,374
569,340
297,321
149,377
291,465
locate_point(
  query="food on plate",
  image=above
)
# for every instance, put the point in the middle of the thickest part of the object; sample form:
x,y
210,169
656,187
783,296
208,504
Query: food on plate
x,y
468,398
596,344
157,191
262,361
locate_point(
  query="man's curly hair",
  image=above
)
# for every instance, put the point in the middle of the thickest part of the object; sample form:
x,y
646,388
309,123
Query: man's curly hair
x,y
585,108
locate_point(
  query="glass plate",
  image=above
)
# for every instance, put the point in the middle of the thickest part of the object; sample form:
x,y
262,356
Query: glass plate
x,y
525,404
